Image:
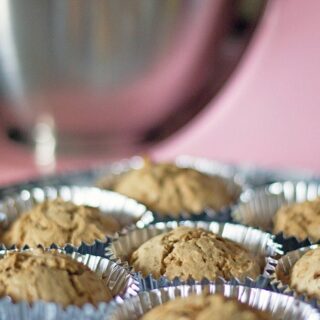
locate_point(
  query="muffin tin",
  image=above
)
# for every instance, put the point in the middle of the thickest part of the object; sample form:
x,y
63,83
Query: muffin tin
x,y
280,306
254,184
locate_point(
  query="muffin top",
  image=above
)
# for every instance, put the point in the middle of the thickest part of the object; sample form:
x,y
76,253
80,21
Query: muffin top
x,y
305,274
301,220
191,252
50,276
168,189
202,307
60,222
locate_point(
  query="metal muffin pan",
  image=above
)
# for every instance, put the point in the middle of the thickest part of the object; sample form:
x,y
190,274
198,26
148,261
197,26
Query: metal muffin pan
x,y
279,306
249,176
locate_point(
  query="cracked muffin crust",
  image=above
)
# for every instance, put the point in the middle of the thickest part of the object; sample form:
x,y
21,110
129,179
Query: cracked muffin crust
x,y
193,252
305,274
50,276
60,222
202,307
301,220
168,189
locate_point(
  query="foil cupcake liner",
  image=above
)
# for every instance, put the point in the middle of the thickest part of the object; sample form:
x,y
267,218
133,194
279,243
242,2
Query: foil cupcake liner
x,y
279,274
257,208
233,181
280,306
119,281
127,211
258,242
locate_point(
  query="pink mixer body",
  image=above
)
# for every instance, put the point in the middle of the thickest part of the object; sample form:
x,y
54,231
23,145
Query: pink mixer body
x,y
268,112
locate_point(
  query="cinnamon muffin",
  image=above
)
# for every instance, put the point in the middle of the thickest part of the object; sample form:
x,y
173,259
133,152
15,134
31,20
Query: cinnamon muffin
x,y
202,307
305,274
301,220
168,189
60,222
193,252
50,276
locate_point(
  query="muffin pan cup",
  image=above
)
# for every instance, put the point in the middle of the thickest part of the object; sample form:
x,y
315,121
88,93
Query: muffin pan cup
x,y
257,208
259,243
280,306
121,283
279,274
127,211
234,182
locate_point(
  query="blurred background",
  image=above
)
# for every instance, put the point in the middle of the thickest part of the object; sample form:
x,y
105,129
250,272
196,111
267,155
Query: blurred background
x,y
88,81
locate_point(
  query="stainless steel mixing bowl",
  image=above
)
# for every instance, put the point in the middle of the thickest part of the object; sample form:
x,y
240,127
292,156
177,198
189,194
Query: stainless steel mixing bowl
x,y
107,71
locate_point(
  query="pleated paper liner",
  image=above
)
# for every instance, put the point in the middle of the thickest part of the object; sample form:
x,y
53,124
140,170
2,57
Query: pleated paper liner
x,y
259,243
119,281
234,183
280,306
280,274
257,208
125,210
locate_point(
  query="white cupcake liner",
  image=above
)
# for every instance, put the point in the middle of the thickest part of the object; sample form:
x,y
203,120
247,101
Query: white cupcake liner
x,y
259,243
119,281
234,182
280,306
127,211
257,208
282,268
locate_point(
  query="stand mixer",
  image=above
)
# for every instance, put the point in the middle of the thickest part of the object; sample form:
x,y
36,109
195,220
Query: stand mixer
x,y
267,112
263,110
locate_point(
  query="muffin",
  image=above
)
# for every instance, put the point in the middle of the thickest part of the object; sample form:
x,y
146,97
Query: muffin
x,y
301,220
201,307
305,274
50,276
193,252
168,189
60,222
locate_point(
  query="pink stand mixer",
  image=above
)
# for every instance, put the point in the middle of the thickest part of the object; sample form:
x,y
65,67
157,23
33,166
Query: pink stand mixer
x,y
264,114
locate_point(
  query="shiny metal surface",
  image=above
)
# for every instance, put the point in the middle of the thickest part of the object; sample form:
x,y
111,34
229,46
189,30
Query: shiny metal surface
x,y
77,67
281,270
251,176
280,306
257,207
116,278
259,243
125,210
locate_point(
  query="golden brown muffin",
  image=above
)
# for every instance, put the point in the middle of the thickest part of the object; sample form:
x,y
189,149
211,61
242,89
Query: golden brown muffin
x,y
305,274
168,189
202,307
190,252
50,276
301,220
60,222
